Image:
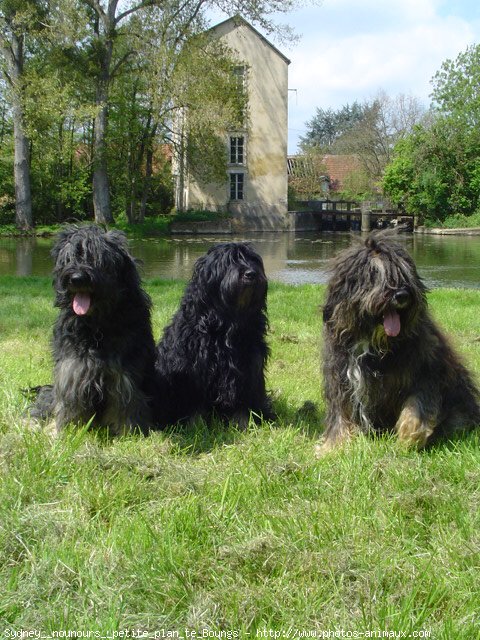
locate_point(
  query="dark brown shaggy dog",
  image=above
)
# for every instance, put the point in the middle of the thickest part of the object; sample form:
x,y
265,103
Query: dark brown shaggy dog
x,y
386,363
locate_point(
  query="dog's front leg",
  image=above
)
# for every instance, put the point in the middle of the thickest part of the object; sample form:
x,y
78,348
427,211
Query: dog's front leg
x,y
340,430
417,421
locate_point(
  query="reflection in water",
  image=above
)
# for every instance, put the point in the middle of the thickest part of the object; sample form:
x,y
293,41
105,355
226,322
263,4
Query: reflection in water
x,y
449,261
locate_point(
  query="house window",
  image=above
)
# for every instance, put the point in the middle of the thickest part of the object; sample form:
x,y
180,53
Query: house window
x,y
236,186
237,146
240,78
240,75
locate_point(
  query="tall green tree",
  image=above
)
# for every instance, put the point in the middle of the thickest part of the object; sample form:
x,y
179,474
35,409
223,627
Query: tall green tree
x,y
456,88
19,21
367,131
435,172
328,125
385,121
180,20
147,100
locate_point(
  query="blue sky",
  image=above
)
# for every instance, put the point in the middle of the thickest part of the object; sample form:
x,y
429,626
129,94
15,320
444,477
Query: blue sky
x,y
351,49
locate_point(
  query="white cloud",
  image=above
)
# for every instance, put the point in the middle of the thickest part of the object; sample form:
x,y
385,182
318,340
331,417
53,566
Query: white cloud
x,y
351,49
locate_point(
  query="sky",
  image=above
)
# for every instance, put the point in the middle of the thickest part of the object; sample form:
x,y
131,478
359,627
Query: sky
x,y
351,49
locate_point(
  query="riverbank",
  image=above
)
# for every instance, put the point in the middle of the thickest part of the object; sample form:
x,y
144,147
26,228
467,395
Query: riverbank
x,y
192,223
440,231
149,228
217,530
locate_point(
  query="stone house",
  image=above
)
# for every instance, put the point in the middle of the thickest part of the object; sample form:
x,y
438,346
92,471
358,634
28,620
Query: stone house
x,y
255,189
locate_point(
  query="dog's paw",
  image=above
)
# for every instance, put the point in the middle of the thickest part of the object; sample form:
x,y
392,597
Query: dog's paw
x,y
323,448
328,445
412,429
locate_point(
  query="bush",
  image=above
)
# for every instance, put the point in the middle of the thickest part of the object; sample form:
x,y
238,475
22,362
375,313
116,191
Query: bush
x,y
461,220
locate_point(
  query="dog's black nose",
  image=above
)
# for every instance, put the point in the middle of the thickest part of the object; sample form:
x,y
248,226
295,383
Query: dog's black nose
x,y
250,275
401,298
79,279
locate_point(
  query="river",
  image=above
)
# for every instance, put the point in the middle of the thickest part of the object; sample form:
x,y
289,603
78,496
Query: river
x,y
442,261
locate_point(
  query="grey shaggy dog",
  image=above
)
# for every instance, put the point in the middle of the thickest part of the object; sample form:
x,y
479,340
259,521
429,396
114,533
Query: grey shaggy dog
x,y
387,365
211,359
103,347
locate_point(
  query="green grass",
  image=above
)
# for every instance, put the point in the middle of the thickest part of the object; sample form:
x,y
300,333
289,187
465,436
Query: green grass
x,y
219,530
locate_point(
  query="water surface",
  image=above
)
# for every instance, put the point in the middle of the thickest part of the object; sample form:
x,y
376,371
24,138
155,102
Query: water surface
x,y
443,261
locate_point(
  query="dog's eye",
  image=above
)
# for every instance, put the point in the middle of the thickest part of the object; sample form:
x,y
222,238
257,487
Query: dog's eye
x,y
249,274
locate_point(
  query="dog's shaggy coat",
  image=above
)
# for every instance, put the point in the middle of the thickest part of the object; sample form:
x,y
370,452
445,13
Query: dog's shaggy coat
x,y
212,356
103,347
387,365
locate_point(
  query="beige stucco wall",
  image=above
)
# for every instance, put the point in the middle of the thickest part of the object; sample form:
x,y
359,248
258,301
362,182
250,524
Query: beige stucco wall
x,y
265,202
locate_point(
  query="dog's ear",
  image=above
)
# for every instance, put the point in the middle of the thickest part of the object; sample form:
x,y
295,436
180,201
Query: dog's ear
x,y
57,247
119,243
118,238
327,311
332,302
63,237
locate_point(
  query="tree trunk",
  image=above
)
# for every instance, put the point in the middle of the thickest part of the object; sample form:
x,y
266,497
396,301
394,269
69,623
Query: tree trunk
x,y
21,169
101,185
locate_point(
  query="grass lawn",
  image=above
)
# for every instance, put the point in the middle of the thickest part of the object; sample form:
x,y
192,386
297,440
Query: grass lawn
x,y
233,534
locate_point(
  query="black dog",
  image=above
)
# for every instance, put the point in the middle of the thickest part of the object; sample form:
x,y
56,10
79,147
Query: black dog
x,y
103,347
387,365
212,356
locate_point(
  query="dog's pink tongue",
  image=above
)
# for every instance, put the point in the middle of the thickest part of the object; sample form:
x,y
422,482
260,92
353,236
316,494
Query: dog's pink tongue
x,y
391,323
81,303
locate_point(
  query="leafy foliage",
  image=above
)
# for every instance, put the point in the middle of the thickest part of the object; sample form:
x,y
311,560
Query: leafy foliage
x,y
456,91
435,172
366,131
328,126
133,64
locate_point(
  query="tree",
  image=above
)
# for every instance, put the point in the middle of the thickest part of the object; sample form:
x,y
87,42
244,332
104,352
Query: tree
x,y
329,125
155,86
456,88
7,189
385,121
367,131
179,19
18,20
435,171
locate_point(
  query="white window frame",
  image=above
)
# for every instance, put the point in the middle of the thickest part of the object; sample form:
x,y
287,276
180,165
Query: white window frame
x,y
237,142
240,72
236,186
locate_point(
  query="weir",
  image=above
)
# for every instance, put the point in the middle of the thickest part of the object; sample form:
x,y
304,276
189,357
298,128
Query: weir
x,y
346,215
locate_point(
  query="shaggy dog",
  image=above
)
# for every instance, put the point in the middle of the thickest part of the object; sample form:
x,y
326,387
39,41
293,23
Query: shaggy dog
x,y
103,347
386,363
212,356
